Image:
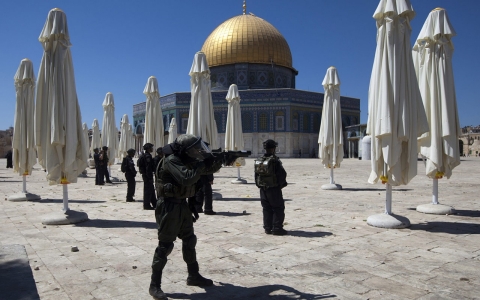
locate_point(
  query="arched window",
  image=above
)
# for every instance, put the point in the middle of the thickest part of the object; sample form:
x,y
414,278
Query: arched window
x,y
247,122
306,123
279,120
184,122
263,122
316,123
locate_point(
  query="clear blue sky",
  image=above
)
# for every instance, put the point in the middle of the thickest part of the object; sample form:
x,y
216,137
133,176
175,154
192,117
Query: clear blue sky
x,y
117,45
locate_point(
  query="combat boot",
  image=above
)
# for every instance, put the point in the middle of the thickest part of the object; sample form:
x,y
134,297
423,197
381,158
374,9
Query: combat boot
x,y
194,278
157,293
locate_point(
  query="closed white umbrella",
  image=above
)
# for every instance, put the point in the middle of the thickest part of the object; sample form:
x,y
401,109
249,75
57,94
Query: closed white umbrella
x,y
201,120
125,137
432,54
132,137
396,117
330,138
154,132
86,145
96,141
109,129
58,121
172,131
233,131
23,142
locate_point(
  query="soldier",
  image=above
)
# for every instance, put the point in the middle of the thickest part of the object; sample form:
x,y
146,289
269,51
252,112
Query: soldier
x,y
105,164
9,159
128,167
176,179
204,194
146,168
271,178
98,158
157,158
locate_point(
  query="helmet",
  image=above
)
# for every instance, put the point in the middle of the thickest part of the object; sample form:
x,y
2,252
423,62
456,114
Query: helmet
x,y
193,146
159,150
104,148
270,144
147,146
131,151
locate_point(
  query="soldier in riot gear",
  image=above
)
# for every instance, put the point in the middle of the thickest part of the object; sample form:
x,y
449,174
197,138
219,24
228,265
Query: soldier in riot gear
x,y
128,167
186,160
146,168
271,178
157,158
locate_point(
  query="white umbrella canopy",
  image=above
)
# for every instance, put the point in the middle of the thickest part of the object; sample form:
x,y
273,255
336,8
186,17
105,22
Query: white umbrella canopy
x,y
233,131
23,142
154,131
132,137
172,131
396,117
432,54
85,137
109,129
96,141
125,137
58,127
330,137
201,120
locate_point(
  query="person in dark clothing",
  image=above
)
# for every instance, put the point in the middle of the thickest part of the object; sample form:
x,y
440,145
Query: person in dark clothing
x,y
8,156
204,194
98,158
271,178
106,160
128,167
157,158
146,169
176,180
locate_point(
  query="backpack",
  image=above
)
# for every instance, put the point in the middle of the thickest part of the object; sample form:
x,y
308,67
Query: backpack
x,y
141,164
123,167
265,171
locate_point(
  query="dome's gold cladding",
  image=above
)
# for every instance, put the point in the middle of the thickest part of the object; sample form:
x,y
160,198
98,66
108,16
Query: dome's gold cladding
x,y
246,39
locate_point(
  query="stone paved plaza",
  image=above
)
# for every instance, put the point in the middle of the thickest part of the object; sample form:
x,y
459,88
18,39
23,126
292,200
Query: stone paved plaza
x,y
330,251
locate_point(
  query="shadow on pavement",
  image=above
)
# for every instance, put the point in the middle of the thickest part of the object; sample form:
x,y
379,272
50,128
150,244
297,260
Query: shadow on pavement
x,y
99,223
448,227
244,199
374,189
467,213
69,201
230,291
308,234
12,180
231,214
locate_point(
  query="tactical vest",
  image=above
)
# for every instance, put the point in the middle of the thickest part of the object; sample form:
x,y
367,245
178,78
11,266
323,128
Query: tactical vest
x,y
168,188
265,171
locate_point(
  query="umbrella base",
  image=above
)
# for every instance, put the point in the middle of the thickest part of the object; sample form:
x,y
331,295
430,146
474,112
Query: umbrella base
x,y
64,218
83,174
216,196
23,197
114,179
91,163
436,209
238,181
331,186
388,221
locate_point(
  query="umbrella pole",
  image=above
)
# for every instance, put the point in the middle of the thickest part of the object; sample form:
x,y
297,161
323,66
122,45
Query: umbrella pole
x,y
238,176
24,184
331,176
435,191
388,202
65,197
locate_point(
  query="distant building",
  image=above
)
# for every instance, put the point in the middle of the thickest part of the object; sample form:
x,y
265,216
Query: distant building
x,y
5,141
249,52
470,141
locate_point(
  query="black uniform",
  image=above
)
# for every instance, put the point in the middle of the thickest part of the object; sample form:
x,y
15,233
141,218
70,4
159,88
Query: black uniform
x,y
149,199
105,167
272,198
9,159
204,193
99,169
173,214
130,173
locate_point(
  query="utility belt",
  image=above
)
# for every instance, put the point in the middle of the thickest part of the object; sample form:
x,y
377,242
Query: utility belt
x,y
175,200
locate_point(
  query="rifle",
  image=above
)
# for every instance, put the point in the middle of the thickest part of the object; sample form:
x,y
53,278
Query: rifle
x,y
229,157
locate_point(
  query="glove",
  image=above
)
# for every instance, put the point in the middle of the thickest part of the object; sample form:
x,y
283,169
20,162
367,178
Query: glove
x,y
191,206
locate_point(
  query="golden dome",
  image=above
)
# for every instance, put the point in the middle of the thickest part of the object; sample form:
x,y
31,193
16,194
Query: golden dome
x,y
247,39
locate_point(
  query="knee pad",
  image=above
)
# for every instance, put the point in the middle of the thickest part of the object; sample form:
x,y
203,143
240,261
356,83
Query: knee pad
x,y
164,249
190,242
